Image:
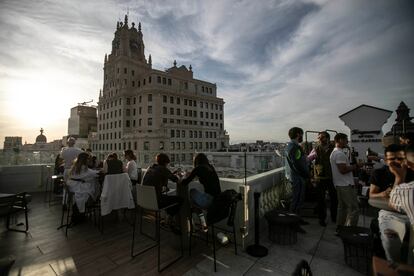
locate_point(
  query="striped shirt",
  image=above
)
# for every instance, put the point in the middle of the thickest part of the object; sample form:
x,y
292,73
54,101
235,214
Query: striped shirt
x,y
402,199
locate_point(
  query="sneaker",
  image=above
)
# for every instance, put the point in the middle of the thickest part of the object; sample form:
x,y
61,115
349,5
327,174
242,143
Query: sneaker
x,y
222,238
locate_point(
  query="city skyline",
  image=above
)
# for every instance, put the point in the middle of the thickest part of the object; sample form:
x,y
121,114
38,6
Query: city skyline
x,y
269,60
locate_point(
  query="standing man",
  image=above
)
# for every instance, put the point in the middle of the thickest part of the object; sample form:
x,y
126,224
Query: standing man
x,y
323,177
296,168
343,179
69,154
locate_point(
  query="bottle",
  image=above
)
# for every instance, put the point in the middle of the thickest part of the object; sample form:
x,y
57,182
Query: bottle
x,y
223,239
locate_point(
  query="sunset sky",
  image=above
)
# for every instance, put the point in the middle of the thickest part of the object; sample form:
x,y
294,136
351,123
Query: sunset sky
x,y
277,64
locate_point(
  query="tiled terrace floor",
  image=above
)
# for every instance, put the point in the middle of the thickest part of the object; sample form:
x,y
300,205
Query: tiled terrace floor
x,y
46,251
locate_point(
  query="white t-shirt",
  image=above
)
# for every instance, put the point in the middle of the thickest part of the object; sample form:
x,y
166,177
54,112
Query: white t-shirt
x,y
132,170
339,179
69,154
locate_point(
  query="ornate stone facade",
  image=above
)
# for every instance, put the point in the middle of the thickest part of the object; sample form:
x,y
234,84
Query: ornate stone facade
x,y
151,111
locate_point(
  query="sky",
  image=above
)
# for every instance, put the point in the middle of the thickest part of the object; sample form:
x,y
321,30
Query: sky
x,y
277,64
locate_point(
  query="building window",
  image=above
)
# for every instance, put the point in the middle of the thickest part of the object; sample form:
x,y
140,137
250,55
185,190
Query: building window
x,y
164,81
128,112
164,110
172,146
183,133
149,121
178,100
146,158
164,99
146,145
158,79
178,112
171,99
164,120
150,97
171,111
177,133
127,123
149,79
149,109
140,110
185,85
169,82
139,122
172,133
185,101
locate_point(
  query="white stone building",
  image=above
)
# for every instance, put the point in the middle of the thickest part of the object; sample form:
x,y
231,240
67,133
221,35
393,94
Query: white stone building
x,y
365,123
151,111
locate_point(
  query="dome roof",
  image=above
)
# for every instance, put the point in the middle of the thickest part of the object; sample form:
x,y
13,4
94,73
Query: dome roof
x,y
41,138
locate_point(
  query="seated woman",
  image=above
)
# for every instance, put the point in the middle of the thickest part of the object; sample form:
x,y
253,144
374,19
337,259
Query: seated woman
x,y
131,166
208,177
112,165
82,182
157,175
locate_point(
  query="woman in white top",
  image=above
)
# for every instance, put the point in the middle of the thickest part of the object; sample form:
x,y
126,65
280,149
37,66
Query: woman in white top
x,y
82,181
131,166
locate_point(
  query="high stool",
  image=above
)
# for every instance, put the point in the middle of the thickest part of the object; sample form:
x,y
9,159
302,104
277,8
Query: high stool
x,y
357,247
282,227
212,225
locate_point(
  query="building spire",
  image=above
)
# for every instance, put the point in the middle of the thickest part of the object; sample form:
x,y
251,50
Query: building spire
x,y
150,60
106,58
139,26
191,68
175,63
126,20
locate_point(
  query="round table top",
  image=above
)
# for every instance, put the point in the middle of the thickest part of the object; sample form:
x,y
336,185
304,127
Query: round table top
x,y
355,234
281,217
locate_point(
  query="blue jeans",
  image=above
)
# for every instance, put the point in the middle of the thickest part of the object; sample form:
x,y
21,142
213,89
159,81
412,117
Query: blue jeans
x,y
393,227
298,194
200,199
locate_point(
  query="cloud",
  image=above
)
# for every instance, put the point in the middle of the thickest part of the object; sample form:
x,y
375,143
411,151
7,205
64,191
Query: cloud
x,y
276,63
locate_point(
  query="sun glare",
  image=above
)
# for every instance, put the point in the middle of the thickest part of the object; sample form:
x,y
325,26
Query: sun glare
x,y
35,102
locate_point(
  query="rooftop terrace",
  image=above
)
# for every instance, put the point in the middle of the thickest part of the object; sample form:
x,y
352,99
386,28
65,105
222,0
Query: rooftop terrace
x,y
46,251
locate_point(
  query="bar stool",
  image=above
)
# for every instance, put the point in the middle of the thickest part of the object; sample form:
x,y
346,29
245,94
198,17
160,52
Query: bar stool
x,y
211,223
147,200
